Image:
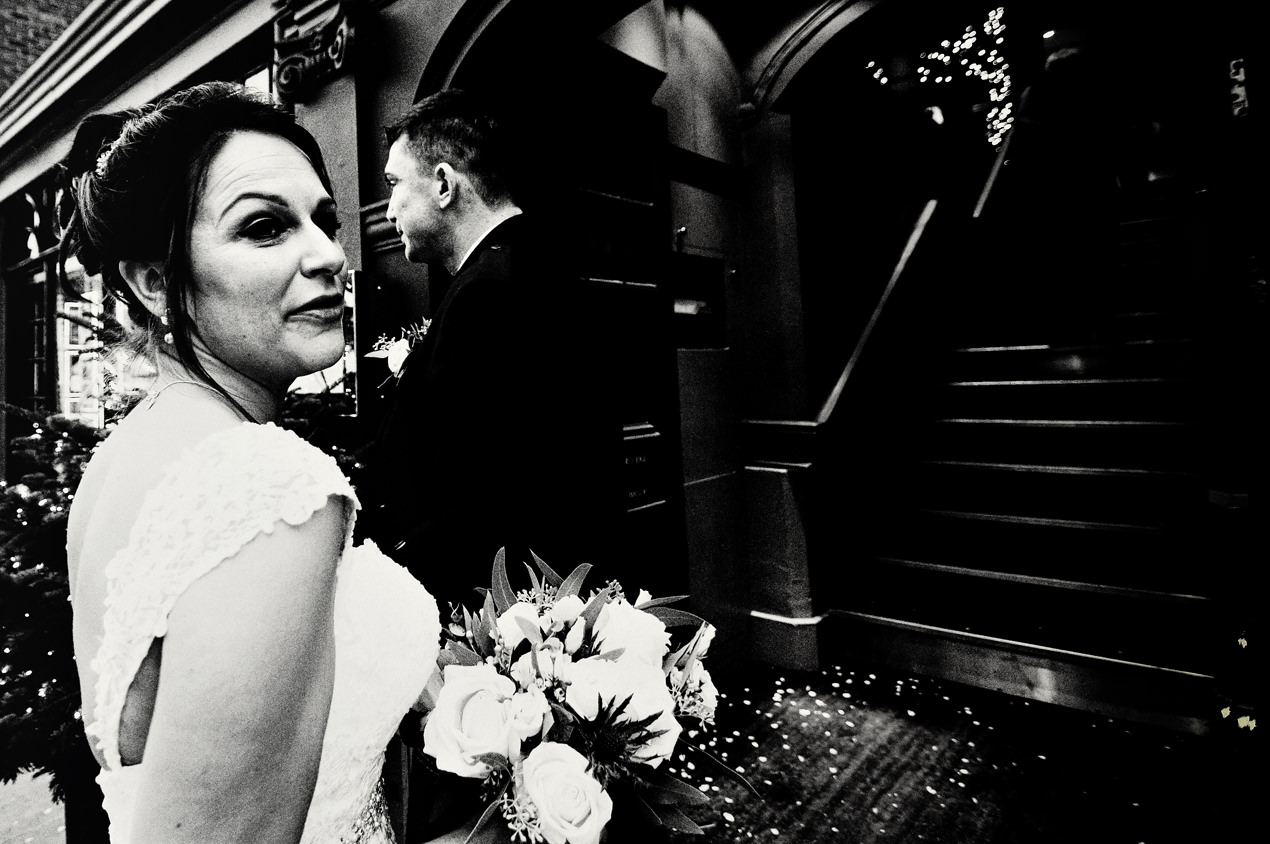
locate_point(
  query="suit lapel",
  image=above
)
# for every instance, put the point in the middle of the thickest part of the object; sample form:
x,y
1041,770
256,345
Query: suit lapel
x,y
422,352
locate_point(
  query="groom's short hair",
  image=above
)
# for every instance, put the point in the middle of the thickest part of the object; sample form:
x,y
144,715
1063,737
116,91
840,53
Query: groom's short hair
x,y
458,127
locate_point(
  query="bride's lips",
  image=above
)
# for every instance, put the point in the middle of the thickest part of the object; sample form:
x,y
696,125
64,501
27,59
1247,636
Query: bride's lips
x,y
322,309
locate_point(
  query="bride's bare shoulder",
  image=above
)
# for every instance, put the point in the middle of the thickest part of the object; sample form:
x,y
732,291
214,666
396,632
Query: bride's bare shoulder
x,y
133,459
180,417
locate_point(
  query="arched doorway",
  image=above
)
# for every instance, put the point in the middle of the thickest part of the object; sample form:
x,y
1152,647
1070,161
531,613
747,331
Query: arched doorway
x,y
847,112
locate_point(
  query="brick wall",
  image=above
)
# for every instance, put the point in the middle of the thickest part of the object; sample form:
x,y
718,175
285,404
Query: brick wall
x,y
27,29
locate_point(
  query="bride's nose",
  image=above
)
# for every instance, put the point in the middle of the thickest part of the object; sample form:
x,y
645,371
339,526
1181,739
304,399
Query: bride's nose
x,y
324,255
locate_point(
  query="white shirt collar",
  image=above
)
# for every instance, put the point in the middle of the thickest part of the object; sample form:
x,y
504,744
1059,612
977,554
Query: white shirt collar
x,y
512,213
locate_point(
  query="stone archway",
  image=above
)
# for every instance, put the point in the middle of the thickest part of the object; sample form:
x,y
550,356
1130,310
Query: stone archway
x,y
776,64
519,31
845,162
778,360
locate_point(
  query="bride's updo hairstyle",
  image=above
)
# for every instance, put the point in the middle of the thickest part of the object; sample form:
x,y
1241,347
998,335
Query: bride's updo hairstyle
x,y
132,184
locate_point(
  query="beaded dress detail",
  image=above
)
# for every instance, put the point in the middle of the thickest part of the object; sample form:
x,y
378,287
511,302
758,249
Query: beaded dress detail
x,y
214,499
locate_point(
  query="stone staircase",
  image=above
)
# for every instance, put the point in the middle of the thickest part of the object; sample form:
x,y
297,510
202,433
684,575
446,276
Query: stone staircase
x,y
1039,521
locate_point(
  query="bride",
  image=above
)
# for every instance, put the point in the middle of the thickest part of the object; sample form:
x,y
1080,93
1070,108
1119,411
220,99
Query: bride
x,y
243,665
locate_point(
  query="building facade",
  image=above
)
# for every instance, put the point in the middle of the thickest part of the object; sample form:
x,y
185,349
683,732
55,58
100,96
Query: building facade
x,y
781,212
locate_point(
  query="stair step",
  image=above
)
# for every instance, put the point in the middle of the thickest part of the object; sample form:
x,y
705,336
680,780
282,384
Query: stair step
x,y
1128,592
999,322
1148,238
1145,444
1071,398
1154,263
1141,324
1126,360
1176,634
1161,698
1137,497
1154,280
1044,521
1118,555
1162,206
1159,287
1052,468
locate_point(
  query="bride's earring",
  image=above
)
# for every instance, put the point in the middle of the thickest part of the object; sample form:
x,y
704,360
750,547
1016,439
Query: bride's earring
x,y
167,338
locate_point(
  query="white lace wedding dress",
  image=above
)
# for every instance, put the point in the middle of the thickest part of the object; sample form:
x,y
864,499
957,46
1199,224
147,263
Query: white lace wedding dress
x,y
231,487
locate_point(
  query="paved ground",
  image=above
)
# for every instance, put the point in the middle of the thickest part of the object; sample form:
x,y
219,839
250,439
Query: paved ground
x,y
851,754
859,755
28,815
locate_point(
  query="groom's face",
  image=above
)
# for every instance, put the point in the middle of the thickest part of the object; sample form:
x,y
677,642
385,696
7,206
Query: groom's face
x,y
412,206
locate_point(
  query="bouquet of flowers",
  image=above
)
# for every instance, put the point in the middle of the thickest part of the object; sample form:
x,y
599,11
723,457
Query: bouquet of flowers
x,y
560,703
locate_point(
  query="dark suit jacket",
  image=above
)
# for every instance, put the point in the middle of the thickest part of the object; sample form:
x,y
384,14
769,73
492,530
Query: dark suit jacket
x,y
498,435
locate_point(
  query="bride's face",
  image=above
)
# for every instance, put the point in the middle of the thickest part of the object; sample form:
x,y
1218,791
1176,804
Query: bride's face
x,y
267,298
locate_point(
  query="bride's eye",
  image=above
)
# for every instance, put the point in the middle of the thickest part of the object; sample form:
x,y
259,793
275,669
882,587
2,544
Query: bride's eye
x,y
263,228
328,221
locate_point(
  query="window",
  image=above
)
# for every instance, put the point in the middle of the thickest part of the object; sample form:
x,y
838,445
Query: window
x,y
31,303
81,358
261,80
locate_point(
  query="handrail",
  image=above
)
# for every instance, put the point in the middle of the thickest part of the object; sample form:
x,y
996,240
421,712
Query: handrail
x,y
795,441
991,182
827,409
914,238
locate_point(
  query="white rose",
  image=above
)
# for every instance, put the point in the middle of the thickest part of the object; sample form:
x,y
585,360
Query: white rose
x,y
523,672
642,635
510,629
553,664
565,611
527,712
397,354
709,694
697,695
703,639
470,719
574,638
572,807
592,681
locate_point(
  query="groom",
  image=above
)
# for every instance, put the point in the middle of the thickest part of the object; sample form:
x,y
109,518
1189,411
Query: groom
x,y
489,442
474,454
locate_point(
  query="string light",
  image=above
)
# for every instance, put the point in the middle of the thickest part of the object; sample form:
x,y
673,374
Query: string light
x,y
992,71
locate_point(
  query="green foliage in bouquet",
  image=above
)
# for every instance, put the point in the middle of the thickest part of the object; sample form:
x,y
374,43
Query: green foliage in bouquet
x,y
40,728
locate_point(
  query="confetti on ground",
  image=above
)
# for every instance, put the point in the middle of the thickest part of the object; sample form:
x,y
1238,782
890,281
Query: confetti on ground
x,y
825,778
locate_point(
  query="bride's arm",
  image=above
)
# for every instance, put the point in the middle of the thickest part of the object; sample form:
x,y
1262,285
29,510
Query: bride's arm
x,y
427,700
245,687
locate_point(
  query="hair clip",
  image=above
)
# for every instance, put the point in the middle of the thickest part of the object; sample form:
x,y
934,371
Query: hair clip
x,y
104,158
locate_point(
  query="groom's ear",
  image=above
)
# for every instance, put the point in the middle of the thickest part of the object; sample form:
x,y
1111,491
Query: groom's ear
x,y
148,284
445,181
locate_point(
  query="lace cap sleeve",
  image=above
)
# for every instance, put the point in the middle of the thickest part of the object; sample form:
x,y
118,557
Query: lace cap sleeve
x,y
214,499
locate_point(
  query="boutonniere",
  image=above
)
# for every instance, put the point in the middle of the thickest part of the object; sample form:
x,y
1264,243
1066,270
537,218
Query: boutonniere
x,y
395,350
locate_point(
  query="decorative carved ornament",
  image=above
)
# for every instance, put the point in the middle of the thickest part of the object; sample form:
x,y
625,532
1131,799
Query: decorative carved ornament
x,y
312,43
